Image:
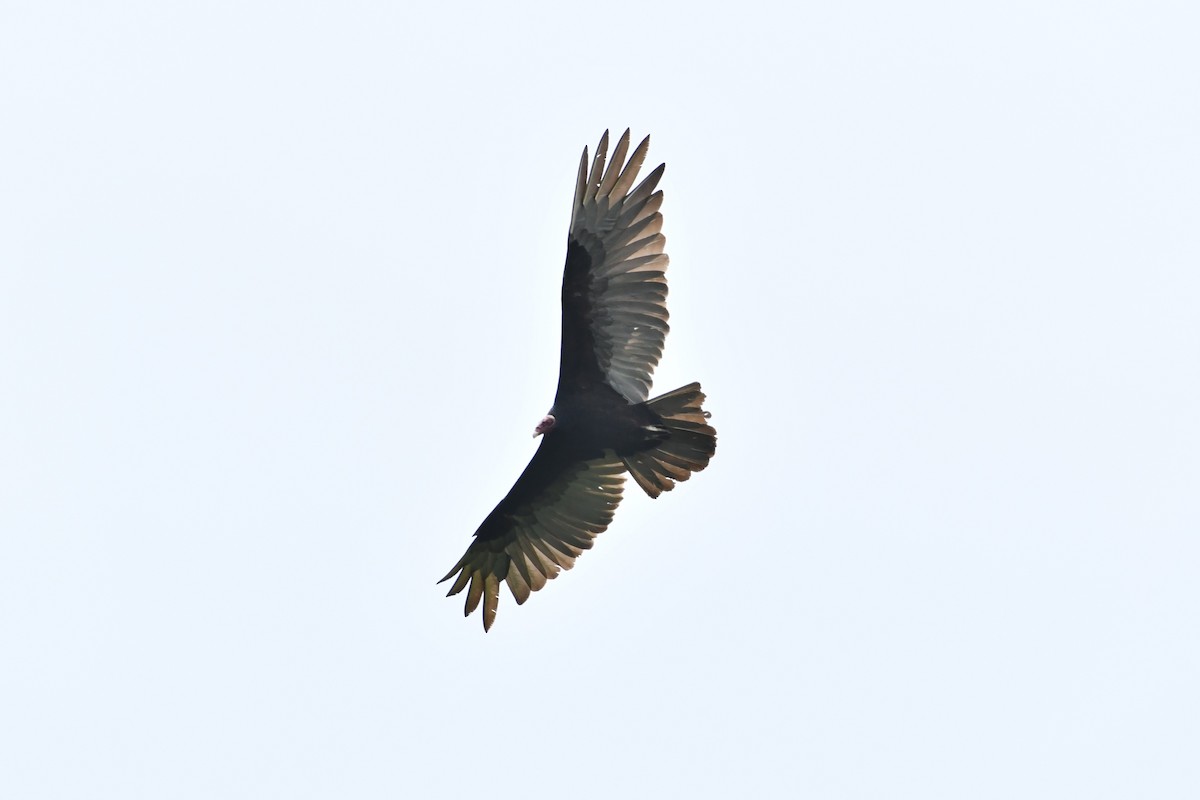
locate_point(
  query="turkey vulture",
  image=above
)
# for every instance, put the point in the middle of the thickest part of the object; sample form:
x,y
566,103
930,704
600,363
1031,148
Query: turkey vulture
x,y
614,320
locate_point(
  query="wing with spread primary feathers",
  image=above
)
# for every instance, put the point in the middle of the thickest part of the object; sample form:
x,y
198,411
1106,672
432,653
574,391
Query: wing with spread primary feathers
x,y
614,283
550,516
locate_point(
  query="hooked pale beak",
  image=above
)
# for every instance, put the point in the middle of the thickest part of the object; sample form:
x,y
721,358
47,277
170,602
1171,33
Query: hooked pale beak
x,y
545,426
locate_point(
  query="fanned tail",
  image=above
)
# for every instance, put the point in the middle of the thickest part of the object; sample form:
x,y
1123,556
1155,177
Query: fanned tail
x,y
689,445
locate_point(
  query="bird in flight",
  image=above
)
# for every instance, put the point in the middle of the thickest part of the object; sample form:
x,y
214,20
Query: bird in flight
x,y
614,320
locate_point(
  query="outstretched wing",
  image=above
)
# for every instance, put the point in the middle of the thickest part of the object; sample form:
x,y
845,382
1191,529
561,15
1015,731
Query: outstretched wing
x,y
551,515
614,284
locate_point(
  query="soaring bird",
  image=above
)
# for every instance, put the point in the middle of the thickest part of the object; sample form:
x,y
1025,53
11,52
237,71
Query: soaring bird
x,y
614,321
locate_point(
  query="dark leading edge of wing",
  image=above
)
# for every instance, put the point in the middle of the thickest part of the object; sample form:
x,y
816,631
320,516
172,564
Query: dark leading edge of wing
x,y
614,284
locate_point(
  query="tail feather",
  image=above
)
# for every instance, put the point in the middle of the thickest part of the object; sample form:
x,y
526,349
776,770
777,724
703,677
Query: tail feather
x,y
689,445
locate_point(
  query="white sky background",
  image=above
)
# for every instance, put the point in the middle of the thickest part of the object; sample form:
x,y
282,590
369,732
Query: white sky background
x,y
279,310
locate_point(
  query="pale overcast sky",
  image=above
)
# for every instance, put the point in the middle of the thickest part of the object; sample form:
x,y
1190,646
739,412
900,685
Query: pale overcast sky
x,y
279,310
